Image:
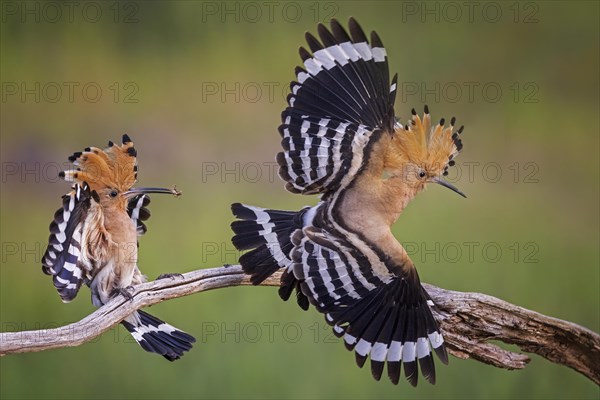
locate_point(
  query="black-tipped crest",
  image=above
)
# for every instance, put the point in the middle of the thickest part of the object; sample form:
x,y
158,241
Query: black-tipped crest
x,y
427,146
112,167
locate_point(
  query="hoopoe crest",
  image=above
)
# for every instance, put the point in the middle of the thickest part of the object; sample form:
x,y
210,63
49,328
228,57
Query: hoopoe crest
x,y
421,153
114,167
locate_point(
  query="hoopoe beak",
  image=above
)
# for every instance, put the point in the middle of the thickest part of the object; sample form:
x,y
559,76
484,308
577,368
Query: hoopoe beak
x,y
135,191
449,186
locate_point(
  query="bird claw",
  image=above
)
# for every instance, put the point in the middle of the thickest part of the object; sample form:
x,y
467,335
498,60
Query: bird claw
x,y
171,276
126,292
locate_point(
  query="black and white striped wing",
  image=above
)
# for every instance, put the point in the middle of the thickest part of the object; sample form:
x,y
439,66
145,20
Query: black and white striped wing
x,y
62,258
341,97
138,211
385,318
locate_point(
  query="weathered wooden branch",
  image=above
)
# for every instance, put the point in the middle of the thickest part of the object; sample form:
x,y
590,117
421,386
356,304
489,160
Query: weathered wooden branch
x,y
469,322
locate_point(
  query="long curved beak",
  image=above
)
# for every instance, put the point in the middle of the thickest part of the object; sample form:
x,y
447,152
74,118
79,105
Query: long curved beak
x,y
449,186
134,191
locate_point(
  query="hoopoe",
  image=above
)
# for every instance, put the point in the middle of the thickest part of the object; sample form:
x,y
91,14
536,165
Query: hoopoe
x,y
341,140
94,240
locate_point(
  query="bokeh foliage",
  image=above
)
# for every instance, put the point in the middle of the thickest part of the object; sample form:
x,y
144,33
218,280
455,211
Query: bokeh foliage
x,y
218,146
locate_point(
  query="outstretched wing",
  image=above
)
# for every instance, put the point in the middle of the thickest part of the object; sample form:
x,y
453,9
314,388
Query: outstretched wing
x,y
62,258
382,316
138,211
341,97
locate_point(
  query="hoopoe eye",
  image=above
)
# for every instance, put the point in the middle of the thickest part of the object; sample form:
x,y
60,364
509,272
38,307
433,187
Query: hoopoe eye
x,y
113,193
422,174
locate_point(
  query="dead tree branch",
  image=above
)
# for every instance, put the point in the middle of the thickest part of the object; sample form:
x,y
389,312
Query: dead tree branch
x,y
469,321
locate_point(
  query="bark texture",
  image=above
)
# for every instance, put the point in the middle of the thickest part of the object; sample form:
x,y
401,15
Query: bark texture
x,y
469,322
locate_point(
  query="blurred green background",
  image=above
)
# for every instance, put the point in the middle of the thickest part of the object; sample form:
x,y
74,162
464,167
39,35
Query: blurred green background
x,y
199,86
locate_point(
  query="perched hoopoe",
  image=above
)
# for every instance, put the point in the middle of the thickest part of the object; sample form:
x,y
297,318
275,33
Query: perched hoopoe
x,y
342,140
93,240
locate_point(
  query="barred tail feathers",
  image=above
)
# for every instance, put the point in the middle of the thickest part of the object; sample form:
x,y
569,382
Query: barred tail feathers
x,y
156,336
267,234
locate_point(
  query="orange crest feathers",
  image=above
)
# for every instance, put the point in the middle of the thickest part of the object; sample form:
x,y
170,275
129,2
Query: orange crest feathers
x,y
112,167
430,147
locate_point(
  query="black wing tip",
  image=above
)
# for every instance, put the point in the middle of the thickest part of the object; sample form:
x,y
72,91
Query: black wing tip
x,y
339,32
394,368
304,54
411,372
302,300
377,369
376,40
237,208
280,158
442,354
427,367
326,36
418,321
357,33
46,269
360,360
313,42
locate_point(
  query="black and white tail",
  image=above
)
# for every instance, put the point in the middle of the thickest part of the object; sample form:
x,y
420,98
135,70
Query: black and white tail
x,y
157,336
267,234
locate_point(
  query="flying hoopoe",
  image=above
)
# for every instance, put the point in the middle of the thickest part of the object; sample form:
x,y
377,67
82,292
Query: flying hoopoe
x,y
93,240
341,139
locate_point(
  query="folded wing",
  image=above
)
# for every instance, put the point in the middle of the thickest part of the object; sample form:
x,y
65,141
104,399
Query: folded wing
x,y
62,258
